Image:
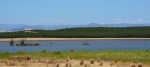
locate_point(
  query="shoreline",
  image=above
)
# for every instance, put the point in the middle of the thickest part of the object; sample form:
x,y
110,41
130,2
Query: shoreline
x,y
17,39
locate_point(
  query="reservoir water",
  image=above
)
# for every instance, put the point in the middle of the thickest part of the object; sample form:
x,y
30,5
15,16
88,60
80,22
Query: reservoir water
x,y
62,45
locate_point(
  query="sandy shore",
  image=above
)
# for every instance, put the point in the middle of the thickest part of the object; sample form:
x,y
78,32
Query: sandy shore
x,y
16,39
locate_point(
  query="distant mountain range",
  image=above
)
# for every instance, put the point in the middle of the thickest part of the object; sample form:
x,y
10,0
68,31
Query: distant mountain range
x,y
21,27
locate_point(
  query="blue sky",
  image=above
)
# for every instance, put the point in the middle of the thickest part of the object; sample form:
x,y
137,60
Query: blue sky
x,y
57,12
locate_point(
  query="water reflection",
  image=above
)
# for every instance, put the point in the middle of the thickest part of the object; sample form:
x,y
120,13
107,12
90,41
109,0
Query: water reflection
x,y
78,45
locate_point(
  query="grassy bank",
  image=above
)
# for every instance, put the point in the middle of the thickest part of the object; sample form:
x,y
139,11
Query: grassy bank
x,y
119,55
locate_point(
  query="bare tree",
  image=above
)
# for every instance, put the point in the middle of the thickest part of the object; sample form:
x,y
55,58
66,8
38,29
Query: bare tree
x,y
11,42
22,42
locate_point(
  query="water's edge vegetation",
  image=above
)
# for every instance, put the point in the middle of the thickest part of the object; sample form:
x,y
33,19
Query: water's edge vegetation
x,y
142,56
85,32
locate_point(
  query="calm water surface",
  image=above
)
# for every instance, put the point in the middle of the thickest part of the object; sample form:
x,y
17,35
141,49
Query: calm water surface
x,y
77,45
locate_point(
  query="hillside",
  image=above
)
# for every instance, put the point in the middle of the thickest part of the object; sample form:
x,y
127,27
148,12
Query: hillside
x,y
84,32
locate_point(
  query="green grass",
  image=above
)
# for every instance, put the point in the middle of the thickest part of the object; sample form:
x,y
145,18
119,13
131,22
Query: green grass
x,y
119,55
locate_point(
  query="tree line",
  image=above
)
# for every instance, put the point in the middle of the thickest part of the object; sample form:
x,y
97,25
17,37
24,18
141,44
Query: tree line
x,y
84,32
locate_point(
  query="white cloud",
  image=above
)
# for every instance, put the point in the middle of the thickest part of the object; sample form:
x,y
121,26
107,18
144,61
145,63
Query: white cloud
x,y
130,21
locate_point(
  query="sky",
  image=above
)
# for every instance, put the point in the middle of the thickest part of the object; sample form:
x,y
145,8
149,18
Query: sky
x,y
74,12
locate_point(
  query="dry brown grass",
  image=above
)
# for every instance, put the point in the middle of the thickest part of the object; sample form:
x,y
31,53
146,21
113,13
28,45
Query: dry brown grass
x,y
92,61
140,65
101,64
82,62
19,58
57,65
71,63
133,65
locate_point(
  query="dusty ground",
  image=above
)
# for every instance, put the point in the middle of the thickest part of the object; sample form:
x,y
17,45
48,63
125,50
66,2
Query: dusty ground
x,y
68,63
